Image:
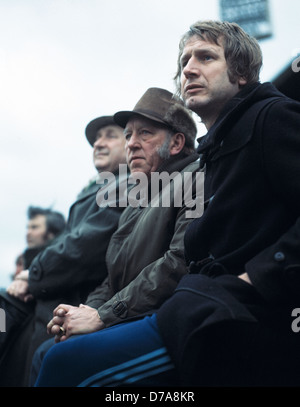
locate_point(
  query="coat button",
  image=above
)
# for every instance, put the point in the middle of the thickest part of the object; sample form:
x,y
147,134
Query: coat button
x,y
279,256
120,309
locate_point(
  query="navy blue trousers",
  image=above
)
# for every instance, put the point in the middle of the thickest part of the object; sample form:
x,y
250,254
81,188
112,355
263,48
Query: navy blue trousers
x,y
127,354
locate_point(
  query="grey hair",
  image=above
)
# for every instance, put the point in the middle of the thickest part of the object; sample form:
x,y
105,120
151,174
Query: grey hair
x,y
163,150
181,121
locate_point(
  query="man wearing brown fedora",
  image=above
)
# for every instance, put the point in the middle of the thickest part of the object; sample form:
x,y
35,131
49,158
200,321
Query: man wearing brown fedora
x,y
74,264
145,257
142,272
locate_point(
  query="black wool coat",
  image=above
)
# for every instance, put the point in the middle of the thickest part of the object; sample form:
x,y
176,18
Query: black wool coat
x,y
217,328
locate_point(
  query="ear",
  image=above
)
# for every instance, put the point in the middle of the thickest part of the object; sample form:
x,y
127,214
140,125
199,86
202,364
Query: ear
x,y
177,143
50,236
242,81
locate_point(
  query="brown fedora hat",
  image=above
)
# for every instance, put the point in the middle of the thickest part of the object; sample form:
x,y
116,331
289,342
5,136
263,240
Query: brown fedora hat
x,y
97,124
162,106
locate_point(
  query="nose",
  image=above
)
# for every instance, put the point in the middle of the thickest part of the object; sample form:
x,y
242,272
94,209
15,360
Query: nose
x,y
133,142
99,142
191,68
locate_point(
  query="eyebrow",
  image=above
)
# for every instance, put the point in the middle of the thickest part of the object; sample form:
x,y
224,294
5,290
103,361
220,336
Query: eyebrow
x,y
145,124
110,131
197,51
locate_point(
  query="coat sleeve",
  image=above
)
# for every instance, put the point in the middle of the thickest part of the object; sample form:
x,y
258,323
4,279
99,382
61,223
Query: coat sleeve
x,y
100,295
76,257
275,272
156,281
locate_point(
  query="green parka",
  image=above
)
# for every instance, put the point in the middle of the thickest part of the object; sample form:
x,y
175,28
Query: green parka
x,y
145,256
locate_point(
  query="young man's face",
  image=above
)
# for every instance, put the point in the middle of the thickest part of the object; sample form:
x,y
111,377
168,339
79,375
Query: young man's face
x,y
37,235
109,148
205,85
144,138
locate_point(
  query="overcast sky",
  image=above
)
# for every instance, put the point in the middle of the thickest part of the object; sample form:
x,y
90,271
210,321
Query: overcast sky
x,y
65,62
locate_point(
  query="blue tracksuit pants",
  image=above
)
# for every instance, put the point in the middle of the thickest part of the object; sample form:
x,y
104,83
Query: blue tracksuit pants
x,y
127,354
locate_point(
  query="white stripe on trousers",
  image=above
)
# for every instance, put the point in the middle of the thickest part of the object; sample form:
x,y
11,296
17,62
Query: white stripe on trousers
x,y
131,371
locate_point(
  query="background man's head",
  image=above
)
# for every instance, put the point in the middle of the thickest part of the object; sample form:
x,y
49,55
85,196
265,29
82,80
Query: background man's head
x,y
158,127
43,226
19,263
108,143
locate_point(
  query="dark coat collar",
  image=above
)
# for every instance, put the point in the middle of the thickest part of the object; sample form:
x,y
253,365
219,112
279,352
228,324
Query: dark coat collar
x,y
234,110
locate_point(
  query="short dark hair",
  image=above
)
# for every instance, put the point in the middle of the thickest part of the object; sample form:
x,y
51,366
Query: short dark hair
x,y
55,221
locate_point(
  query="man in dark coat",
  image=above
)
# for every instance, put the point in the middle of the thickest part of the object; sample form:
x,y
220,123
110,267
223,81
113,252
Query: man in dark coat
x,y
74,264
244,258
230,320
43,226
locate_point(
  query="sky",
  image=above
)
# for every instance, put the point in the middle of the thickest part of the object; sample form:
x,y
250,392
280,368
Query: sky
x,y
64,63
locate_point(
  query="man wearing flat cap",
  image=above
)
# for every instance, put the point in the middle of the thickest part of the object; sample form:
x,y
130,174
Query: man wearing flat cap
x,y
74,264
145,258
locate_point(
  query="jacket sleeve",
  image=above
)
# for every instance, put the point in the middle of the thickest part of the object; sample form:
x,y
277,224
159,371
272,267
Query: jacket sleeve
x,y
76,257
275,272
155,283
100,295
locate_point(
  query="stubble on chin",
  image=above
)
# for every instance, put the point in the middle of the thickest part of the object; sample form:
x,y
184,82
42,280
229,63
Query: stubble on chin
x,y
189,102
194,104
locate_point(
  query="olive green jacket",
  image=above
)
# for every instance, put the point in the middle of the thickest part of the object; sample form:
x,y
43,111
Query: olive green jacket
x,y
145,257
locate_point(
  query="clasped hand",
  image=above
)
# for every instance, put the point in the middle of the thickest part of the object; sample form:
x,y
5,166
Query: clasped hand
x,y
69,320
19,288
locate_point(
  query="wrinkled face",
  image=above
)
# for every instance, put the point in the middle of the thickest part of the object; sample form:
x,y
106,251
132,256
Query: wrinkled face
x,y
205,84
37,235
144,139
109,149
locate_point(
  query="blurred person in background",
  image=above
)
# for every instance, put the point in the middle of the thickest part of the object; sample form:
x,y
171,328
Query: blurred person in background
x,y
72,265
43,226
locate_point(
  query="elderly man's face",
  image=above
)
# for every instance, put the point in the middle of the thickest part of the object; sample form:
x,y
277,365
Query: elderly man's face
x,y
205,84
144,139
109,148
